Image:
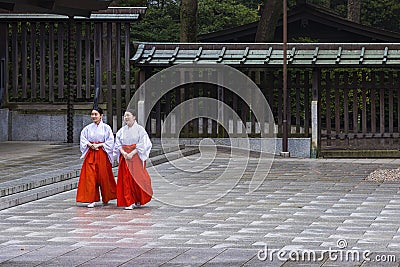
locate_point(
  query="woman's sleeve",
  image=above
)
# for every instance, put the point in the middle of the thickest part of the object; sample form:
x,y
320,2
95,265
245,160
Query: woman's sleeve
x,y
84,142
108,144
117,145
144,145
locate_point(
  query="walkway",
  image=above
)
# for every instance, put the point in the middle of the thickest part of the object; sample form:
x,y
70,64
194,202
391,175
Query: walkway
x,y
304,205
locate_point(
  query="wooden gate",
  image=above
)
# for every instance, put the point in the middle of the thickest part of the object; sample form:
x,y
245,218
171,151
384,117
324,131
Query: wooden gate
x,y
360,109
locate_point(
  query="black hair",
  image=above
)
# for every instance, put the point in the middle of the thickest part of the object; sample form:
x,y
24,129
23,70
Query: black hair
x,y
98,109
131,111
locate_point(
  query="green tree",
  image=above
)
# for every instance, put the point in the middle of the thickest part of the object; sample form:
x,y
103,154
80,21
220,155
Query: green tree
x,y
383,14
354,10
188,19
159,25
161,22
252,4
271,14
136,3
217,15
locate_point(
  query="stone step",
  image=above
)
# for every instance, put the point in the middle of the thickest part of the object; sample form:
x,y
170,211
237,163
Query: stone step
x,y
159,150
359,153
30,182
38,193
59,174
36,189
173,155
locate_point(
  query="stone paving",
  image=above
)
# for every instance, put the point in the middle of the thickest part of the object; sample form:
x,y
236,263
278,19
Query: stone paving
x,y
27,160
304,205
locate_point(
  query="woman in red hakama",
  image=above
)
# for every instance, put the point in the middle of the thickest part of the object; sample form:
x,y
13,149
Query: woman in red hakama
x,y
132,148
96,144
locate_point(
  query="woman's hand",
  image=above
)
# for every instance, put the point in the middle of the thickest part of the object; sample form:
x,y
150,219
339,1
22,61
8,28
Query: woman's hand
x,y
133,153
129,156
124,154
95,146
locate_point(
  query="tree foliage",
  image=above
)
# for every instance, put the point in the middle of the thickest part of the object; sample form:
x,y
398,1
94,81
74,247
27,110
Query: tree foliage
x,y
159,25
217,15
384,14
162,19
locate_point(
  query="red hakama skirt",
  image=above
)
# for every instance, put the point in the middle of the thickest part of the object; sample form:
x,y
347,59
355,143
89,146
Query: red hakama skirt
x,y
133,188
96,172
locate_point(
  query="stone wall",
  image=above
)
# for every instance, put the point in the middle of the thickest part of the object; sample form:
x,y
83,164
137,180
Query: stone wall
x,y
52,127
44,127
4,124
298,147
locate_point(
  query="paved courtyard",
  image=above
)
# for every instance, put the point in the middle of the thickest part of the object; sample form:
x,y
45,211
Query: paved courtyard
x,y
323,207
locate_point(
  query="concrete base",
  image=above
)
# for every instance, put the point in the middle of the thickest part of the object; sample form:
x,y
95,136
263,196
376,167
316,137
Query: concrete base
x,y
298,147
45,127
52,127
285,154
360,154
4,113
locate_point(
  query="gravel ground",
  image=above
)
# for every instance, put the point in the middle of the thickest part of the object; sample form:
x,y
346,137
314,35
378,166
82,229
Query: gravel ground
x,y
382,175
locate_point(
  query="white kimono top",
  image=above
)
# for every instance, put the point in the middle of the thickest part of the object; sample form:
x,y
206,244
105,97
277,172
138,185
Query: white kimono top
x,y
94,133
133,135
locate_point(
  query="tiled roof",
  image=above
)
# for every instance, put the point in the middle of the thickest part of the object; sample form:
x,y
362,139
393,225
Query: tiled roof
x,y
268,55
112,13
69,8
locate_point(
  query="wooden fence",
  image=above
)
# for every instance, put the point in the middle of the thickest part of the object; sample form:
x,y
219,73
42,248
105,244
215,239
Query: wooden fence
x,y
270,83
37,56
358,108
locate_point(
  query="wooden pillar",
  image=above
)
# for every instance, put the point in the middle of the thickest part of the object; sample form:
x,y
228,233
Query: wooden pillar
x,y
3,60
97,62
285,151
109,53
70,95
144,74
315,133
220,98
127,64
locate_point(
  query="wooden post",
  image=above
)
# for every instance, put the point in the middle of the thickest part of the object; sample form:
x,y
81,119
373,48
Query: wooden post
x,y
70,96
109,53
144,74
220,98
3,65
316,75
285,151
97,63
118,89
2,79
